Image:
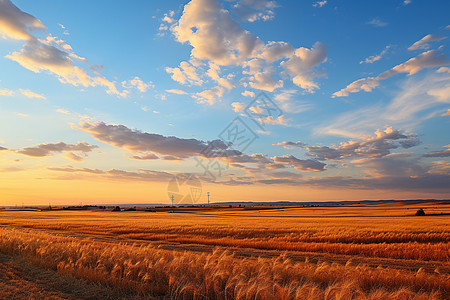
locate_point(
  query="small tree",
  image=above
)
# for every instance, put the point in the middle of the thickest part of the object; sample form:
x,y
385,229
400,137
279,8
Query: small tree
x,y
420,212
117,208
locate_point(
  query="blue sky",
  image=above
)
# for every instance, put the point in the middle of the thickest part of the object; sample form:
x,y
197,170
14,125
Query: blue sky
x,y
115,91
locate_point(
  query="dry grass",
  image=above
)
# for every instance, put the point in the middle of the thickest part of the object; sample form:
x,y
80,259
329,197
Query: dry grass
x,y
71,243
20,279
218,275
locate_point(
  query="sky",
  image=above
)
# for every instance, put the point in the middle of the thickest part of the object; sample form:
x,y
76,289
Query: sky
x,y
105,102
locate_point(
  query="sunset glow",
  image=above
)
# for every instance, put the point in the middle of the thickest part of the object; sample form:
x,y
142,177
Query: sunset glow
x,y
103,102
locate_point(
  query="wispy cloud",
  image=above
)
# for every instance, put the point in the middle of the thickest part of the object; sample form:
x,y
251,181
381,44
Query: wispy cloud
x,y
73,152
25,92
138,84
176,91
424,43
374,58
320,3
417,100
443,153
31,94
428,59
6,92
377,22
115,174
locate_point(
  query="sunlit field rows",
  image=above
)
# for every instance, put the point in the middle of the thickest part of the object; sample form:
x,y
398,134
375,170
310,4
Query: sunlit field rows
x,y
361,231
130,251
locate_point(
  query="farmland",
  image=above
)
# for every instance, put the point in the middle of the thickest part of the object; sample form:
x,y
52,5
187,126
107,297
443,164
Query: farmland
x,y
374,251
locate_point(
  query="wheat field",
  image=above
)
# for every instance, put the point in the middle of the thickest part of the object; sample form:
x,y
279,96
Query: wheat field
x,y
377,251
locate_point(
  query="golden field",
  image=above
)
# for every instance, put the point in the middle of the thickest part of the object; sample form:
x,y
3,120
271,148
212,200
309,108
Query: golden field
x,y
377,251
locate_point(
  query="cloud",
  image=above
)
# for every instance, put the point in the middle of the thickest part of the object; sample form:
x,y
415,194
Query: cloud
x,y
214,71
320,3
40,55
442,94
185,74
6,92
396,171
274,51
219,42
419,96
137,83
406,2
17,24
238,106
265,81
167,21
147,156
37,57
175,91
269,167
426,183
441,167
254,10
143,143
286,101
31,94
253,158
436,179
392,165
66,32
27,93
48,149
306,165
280,120
209,96
115,174
366,146
423,43
443,153
162,27
291,145
301,65
364,84
73,156
148,146
63,111
168,18
417,100
248,94
213,34
446,113
377,22
374,58
428,59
